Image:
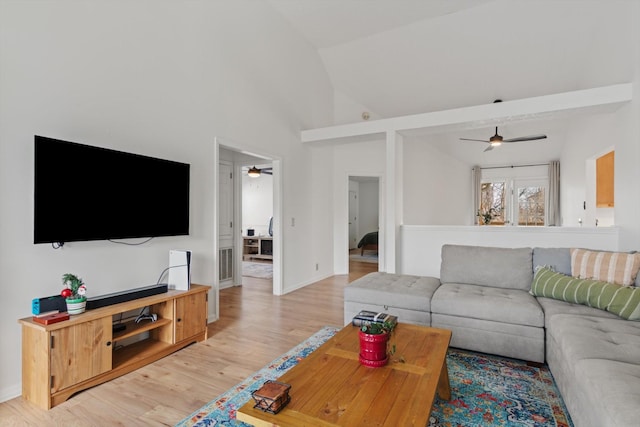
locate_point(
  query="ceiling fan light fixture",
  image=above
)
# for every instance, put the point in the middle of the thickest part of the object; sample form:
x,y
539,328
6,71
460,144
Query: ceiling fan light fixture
x,y
254,172
495,140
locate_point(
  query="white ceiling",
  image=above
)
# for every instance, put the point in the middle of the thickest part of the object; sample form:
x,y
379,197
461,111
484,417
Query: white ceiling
x,y
327,23
400,57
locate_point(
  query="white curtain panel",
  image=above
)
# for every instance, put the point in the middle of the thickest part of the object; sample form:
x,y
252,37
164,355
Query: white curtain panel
x,y
476,177
553,212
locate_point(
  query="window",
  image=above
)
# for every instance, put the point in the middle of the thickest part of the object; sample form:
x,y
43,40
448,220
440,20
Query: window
x,y
514,200
492,200
531,205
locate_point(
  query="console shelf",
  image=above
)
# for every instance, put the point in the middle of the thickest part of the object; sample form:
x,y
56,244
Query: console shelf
x,y
258,247
133,328
138,351
64,358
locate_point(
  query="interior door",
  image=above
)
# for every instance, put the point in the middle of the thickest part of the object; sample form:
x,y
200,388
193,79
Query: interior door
x,y
225,176
353,219
225,222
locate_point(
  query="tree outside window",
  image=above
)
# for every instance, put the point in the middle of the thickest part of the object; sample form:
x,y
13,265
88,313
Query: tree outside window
x,y
531,206
492,199
521,202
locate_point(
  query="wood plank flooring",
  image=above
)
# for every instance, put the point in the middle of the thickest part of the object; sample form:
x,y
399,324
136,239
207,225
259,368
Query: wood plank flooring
x,y
254,328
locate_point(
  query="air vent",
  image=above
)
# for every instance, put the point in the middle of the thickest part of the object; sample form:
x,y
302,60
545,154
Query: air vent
x,y
225,261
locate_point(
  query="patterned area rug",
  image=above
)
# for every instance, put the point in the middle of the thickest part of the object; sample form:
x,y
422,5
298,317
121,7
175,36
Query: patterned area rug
x,y
486,391
261,270
495,391
222,410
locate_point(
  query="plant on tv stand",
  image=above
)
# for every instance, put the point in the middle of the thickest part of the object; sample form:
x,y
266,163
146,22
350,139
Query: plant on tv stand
x,y
73,287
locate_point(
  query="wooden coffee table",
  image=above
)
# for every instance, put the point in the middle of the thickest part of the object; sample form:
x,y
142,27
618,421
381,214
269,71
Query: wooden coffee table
x,y
331,388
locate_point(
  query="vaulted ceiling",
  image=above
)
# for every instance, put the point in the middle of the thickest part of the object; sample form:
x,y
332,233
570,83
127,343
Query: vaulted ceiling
x,y
400,57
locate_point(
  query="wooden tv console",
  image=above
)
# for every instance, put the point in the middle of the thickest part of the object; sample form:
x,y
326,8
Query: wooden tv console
x,y
64,358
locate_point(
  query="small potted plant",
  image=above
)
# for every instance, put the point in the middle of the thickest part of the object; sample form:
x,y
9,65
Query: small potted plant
x,y
374,339
74,291
486,216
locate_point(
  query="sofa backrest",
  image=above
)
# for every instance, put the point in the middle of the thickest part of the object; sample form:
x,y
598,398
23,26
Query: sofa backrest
x,y
510,268
557,259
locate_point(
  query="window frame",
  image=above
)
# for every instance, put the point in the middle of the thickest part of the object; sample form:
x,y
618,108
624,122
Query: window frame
x,y
518,177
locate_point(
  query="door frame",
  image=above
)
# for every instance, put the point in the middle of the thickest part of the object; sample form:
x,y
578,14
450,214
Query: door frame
x,y
354,222
276,162
381,218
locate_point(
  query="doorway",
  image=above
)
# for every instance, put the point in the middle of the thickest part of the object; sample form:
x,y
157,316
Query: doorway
x,y
364,221
257,224
239,158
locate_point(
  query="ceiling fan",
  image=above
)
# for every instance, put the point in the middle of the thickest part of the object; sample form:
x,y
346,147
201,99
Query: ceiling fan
x,y
497,140
255,172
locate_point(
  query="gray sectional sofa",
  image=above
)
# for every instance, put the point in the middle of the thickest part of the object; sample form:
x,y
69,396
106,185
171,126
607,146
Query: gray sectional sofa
x,y
483,296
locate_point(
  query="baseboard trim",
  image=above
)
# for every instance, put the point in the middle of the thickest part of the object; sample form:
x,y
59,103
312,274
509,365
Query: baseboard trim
x,y
11,392
306,283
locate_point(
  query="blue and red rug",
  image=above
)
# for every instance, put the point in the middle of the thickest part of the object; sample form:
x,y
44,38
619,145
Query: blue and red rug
x,y
485,391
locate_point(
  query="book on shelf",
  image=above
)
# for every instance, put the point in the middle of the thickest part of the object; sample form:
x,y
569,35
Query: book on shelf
x,y
366,317
46,313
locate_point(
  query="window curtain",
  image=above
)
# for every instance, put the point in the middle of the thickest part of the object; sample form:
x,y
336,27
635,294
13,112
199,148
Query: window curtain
x,y
553,212
476,177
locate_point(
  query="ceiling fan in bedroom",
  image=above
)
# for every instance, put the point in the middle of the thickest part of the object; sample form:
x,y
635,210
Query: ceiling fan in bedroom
x,y
255,172
497,140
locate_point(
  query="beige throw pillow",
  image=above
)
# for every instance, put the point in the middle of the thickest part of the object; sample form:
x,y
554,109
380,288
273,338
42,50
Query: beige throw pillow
x,y
613,267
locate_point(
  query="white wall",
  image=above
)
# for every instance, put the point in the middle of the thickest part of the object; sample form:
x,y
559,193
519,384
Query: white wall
x,y
437,187
160,78
586,140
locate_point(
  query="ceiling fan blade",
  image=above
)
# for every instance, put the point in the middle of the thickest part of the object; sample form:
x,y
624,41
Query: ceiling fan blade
x,y
489,148
479,140
525,138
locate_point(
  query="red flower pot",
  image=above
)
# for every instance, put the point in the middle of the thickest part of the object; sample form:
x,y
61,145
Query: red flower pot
x,y
373,349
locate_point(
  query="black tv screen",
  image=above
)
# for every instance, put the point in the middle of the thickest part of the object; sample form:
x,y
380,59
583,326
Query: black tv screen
x,y
83,192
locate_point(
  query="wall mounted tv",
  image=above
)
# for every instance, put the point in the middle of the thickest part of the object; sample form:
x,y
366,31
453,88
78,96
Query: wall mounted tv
x,y
83,193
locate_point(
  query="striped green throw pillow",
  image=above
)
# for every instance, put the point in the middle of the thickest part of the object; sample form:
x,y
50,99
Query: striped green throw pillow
x,y
621,300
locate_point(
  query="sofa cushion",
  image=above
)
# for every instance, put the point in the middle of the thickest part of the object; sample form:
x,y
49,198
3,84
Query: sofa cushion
x,y
483,302
504,339
585,337
551,307
613,267
595,360
621,300
394,290
610,390
485,266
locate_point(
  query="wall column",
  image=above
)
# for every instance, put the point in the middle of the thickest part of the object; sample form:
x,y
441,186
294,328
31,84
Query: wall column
x,y
393,202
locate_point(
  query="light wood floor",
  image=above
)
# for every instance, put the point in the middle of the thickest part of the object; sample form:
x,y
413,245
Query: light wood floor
x,y
254,328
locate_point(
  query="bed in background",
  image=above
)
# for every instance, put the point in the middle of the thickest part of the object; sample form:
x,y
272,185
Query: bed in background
x,y
369,242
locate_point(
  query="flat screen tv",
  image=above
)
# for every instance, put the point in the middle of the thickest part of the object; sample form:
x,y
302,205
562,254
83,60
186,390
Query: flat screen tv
x,y
83,193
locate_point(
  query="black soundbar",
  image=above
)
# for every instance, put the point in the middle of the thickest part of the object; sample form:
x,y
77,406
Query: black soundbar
x,y
124,296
